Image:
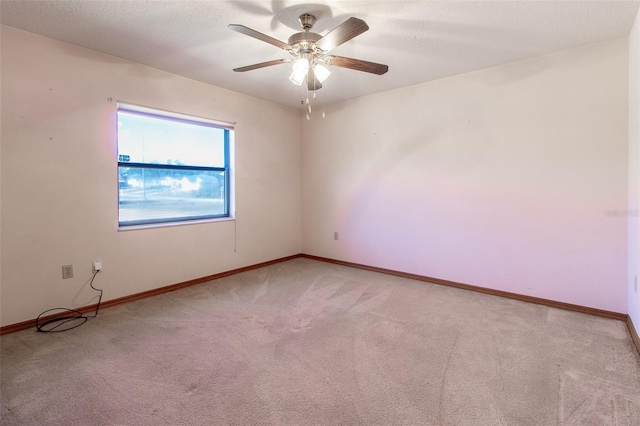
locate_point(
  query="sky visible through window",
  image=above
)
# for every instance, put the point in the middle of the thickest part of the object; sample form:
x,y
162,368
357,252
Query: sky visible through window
x,y
147,139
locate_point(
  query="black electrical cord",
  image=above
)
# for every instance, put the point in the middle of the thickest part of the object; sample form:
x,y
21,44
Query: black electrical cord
x,y
77,317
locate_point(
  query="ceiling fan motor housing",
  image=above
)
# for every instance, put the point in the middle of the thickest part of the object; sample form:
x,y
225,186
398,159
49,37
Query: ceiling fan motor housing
x,y
303,42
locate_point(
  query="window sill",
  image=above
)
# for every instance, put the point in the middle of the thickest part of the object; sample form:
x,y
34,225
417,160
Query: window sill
x,y
171,224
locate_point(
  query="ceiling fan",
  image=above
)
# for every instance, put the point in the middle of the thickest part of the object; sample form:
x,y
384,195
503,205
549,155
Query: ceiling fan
x,y
311,50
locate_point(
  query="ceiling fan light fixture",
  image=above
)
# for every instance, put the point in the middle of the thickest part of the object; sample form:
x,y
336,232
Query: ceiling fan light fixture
x,y
301,66
321,73
296,79
300,70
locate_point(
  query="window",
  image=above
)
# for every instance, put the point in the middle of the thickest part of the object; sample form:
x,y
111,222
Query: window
x,y
171,167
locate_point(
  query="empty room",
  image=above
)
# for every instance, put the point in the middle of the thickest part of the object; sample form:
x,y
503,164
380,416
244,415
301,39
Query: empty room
x,y
273,212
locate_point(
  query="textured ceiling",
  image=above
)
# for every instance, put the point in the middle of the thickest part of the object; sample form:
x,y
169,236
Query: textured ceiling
x,y
419,40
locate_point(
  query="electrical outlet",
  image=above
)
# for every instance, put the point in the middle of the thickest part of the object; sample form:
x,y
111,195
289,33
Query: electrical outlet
x,y
67,271
97,265
335,235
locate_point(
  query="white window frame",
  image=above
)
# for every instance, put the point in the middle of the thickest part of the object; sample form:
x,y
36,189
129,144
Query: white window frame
x,y
228,129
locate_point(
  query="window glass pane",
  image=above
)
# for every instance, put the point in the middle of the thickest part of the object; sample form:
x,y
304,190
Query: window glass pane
x,y
159,194
154,140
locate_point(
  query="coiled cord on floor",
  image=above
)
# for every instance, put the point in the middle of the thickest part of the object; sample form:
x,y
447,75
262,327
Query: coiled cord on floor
x,y
76,317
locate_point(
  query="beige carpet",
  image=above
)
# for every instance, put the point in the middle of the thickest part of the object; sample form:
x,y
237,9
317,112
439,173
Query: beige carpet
x,y
310,343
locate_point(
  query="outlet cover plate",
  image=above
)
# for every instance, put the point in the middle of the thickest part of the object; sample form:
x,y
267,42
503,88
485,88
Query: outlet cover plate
x,y
97,265
67,271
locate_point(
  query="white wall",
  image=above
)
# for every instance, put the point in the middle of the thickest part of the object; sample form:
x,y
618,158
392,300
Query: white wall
x,y
59,179
498,178
634,171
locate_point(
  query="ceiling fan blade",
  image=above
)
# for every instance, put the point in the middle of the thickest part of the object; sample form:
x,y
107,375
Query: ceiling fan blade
x,y
312,82
255,34
262,65
344,32
356,64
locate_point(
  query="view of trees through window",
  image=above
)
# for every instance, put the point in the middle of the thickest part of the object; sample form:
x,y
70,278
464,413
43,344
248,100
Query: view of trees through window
x,y
170,169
